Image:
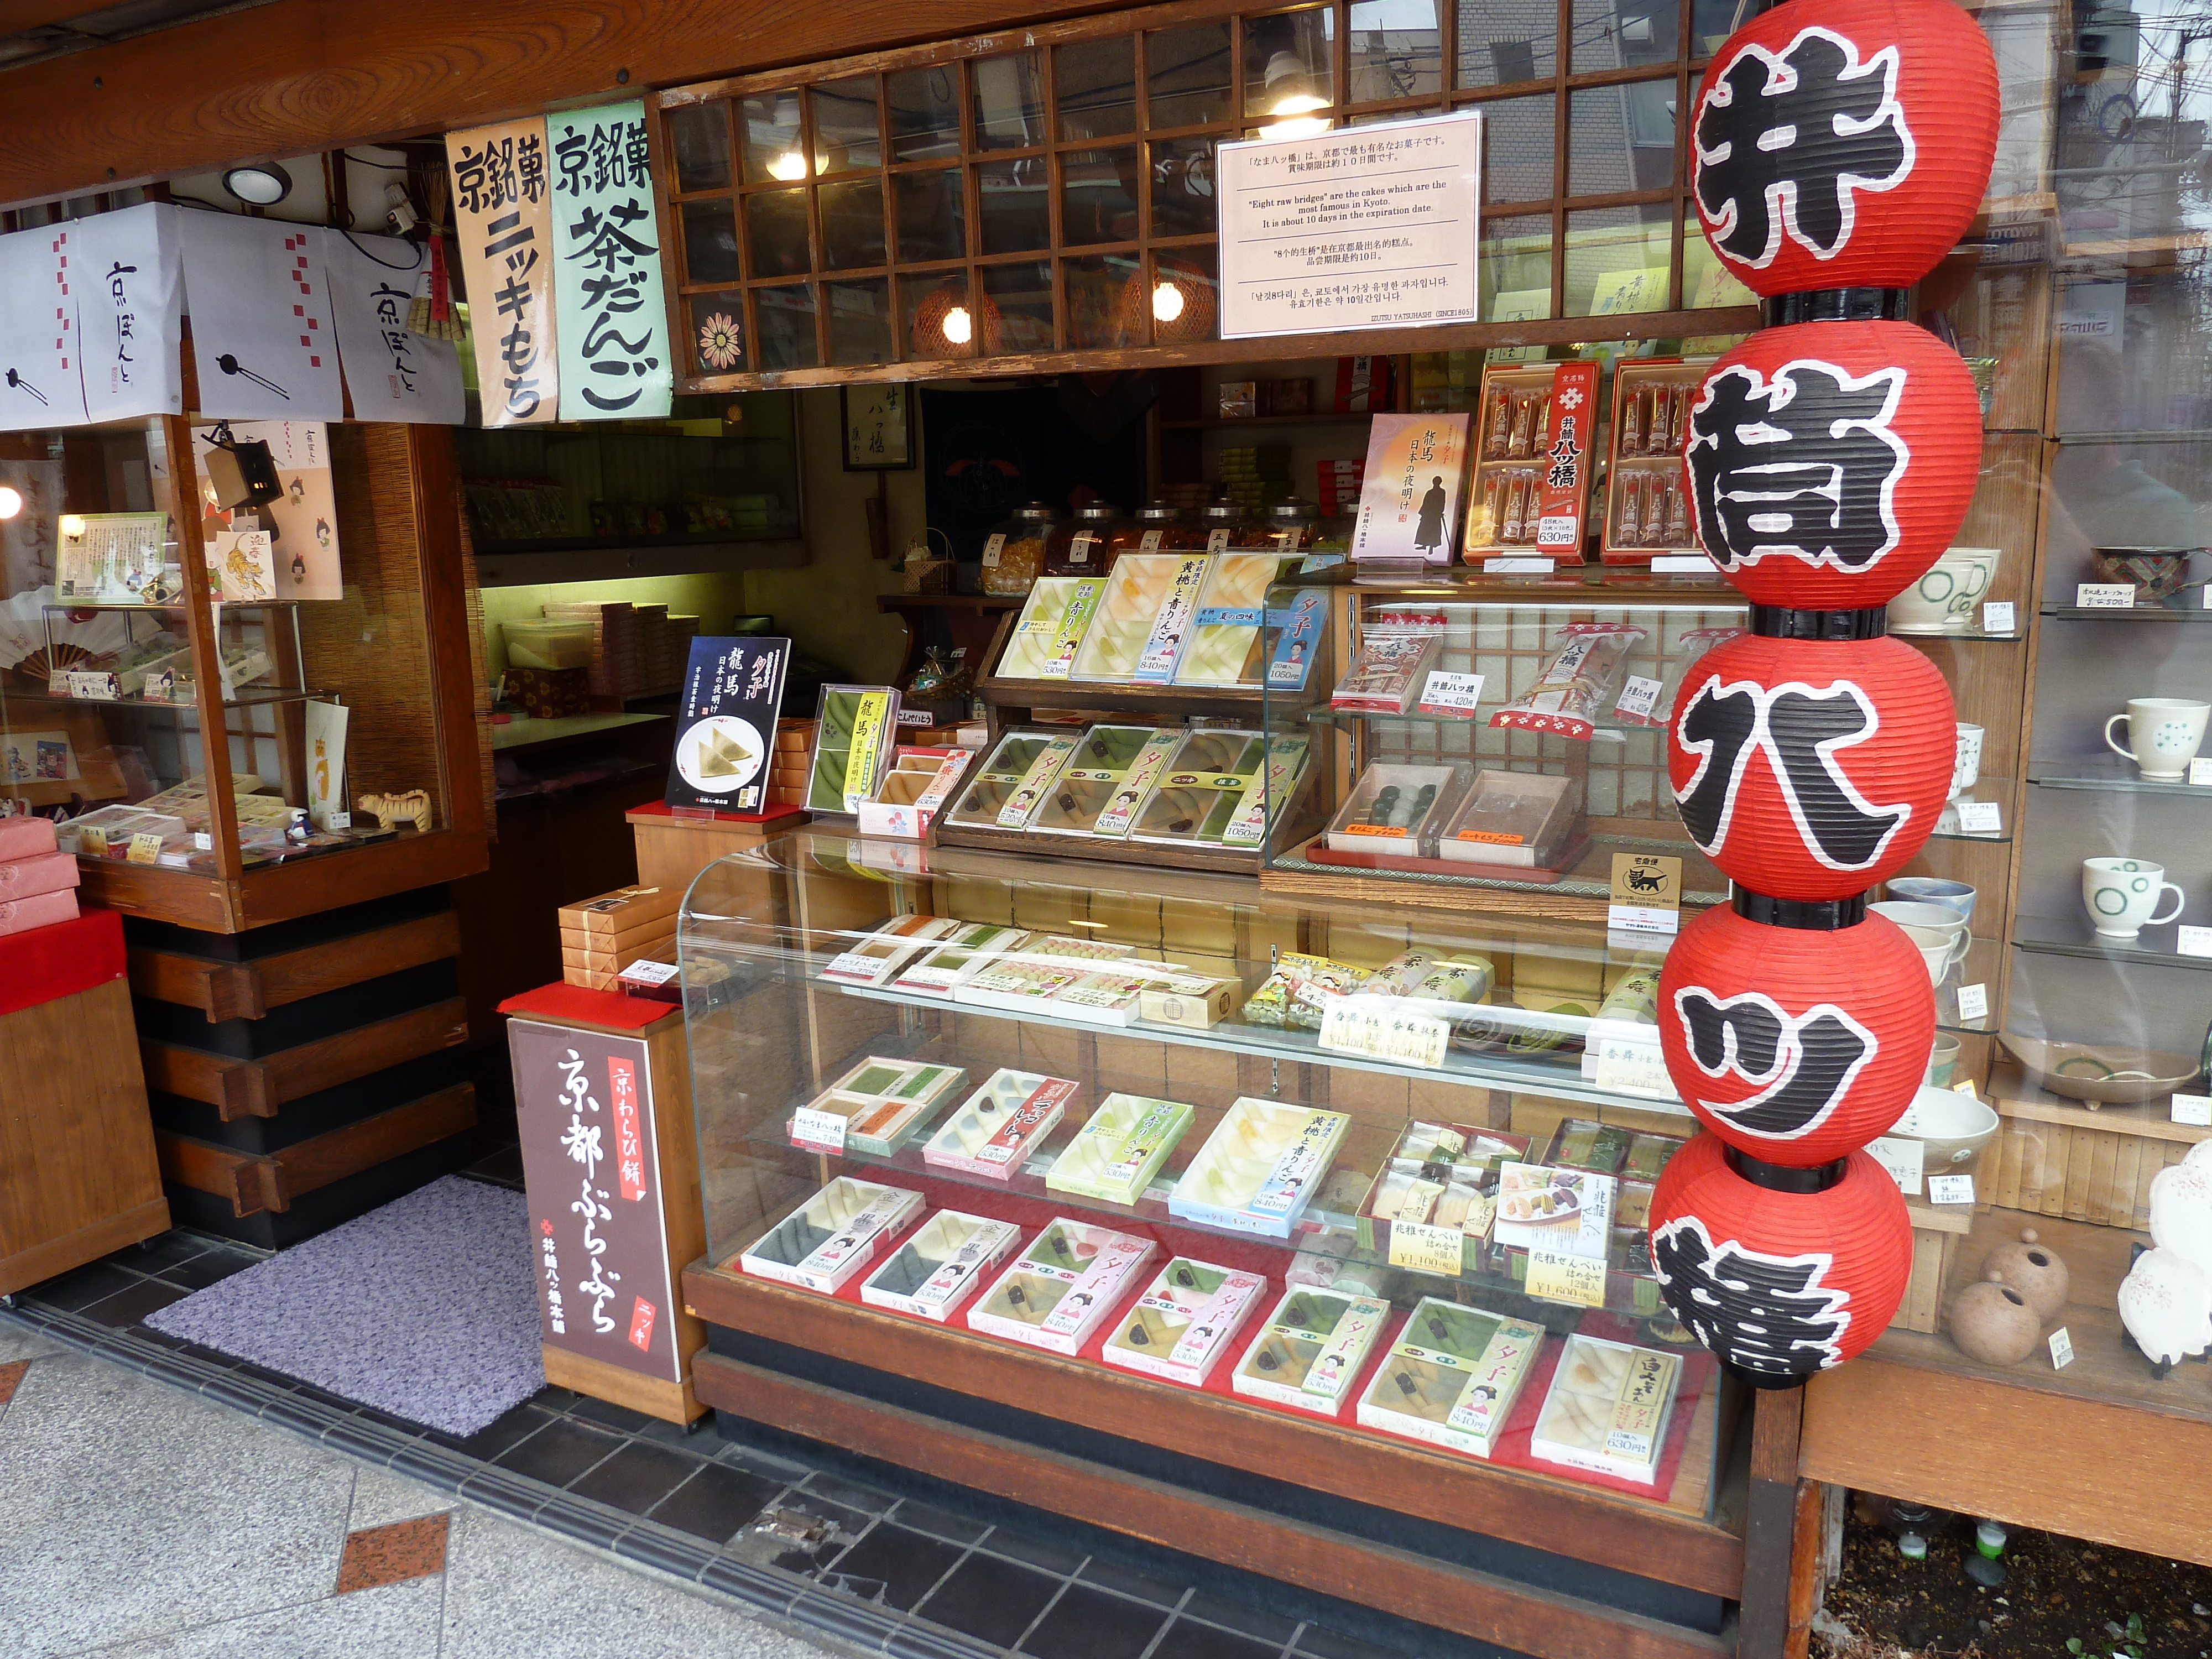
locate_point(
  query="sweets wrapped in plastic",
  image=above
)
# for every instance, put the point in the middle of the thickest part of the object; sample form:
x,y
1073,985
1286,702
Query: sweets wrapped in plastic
x,y
1300,990
1579,683
1694,645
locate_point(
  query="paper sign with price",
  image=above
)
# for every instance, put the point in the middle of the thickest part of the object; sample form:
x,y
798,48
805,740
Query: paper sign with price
x,y
1380,1032
1558,1277
1450,694
145,848
818,1131
1419,1248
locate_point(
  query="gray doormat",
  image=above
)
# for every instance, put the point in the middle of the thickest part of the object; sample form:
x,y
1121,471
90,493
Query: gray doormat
x,y
425,1308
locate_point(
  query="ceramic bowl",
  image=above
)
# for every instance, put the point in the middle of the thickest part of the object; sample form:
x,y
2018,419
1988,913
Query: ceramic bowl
x,y
2100,1074
1951,1128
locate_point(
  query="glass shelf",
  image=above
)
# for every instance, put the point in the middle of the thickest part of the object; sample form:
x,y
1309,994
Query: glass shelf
x,y
1321,713
1969,636
2049,936
251,698
2115,776
2141,613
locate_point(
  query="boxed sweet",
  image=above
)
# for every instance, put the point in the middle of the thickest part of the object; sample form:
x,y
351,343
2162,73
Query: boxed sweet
x,y
1452,1376
1144,618
1183,1323
921,780
1608,1408
1199,792
1114,1156
1647,506
1111,996
834,1234
1399,809
854,728
1578,684
1396,653
41,872
1409,495
1062,1286
1267,796
1512,817
108,831
1196,1002
962,952
1534,447
20,915
1228,626
1259,1168
1031,790
1566,1211
1106,761
1293,640
1297,993
1003,770
1440,1175
1311,1349
1003,1122
1018,984
883,1101
875,956
941,1265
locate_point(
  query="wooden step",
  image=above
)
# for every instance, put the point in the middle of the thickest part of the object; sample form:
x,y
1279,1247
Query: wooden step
x,y
271,1181
248,990
257,1088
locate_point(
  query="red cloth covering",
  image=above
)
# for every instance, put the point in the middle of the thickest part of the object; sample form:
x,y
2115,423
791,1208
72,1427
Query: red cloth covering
x,y
661,809
50,963
577,1005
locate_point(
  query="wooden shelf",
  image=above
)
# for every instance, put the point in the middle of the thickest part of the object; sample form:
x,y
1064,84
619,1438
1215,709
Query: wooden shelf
x,y
1228,860
1244,701
890,602
1218,423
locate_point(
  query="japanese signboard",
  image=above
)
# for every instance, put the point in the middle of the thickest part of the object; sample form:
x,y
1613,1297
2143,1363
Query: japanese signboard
x,y
130,309
591,1167
392,372
731,691
503,208
41,384
1373,226
262,338
613,326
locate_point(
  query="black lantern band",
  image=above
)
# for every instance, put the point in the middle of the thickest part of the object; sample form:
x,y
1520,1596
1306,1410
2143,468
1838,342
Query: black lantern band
x,y
1780,1178
1809,916
1837,305
1777,621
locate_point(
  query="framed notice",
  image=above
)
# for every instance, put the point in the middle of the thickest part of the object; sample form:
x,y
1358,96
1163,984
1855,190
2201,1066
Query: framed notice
x,y
1372,226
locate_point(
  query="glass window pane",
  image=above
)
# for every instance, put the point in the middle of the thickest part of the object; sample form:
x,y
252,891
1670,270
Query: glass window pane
x,y
784,320
1105,302
1182,187
1623,34
1012,202
925,112
1009,101
776,232
1184,301
1396,50
1098,196
1020,295
845,124
1706,284
1620,138
1617,260
1094,87
1516,269
1502,41
1711,22
859,322
710,242
1187,76
853,224
699,135
1518,139
932,215
1290,68
717,344
939,324
770,141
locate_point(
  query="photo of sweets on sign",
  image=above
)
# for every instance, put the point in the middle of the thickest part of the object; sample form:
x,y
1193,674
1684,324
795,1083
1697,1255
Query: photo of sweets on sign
x,y
613,324
502,210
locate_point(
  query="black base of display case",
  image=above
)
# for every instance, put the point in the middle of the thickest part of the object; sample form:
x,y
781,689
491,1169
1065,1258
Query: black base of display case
x,y
326,1208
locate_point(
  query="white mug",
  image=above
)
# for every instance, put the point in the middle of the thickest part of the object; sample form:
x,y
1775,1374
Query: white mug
x,y
2164,734
2122,894
1933,890
1967,763
1942,601
1939,933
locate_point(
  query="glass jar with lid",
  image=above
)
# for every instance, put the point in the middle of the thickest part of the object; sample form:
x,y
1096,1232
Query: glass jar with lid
x,y
1013,553
1159,527
1285,527
1225,524
1084,547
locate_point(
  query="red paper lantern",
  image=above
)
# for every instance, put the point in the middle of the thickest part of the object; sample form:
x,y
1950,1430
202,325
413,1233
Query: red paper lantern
x,y
1811,769
1780,1285
1829,464
1844,143
1796,1045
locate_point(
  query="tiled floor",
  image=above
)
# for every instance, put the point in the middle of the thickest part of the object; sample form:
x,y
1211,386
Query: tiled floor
x,y
873,1567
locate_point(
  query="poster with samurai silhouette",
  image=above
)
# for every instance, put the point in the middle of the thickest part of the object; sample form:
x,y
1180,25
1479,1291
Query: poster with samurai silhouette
x,y
286,548
41,369
262,339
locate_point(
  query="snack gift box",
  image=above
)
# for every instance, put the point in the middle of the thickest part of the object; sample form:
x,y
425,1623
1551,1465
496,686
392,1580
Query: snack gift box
x,y
883,1102
1399,809
1608,1408
1105,761
965,951
1001,1124
1144,618
1310,1352
940,1267
1004,771
1452,1376
1044,642
1232,610
855,731
1510,818
1395,656
1204,784
1059,1289
882,953
1259,1168
1196,1002
1539,1208
1115,1155
1111,996
834,1234
1183,1323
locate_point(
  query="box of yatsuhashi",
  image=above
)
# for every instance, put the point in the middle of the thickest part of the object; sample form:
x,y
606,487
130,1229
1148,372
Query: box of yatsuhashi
x,y
1157,618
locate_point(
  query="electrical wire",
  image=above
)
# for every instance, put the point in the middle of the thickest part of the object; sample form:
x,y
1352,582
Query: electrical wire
x,y
421,253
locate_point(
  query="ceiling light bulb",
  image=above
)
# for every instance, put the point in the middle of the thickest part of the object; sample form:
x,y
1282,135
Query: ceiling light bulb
x,y
1284,66
265,184
11,502
1299,126
1167,302
957,328
72,525
788,167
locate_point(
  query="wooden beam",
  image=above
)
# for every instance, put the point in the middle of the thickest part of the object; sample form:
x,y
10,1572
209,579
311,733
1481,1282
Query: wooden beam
x,y
257,1088
248,990
21,17
1770,1532
271,1181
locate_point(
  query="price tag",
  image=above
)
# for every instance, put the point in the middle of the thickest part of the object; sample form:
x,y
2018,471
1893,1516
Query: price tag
x,y
1372,1027
2200,772
2194,1109
145,848
1902,1159
993,546
818,1131
2193,941
1450,694
1217,541
1514,564
1557,530
1150,541
655,973
1965,1088
1079,549
1626,1056
1973,1003
1950,1189
1683,564
2062,1349
337,820
203,841
1997,618
92,841
1980,818
1426,1248
2104,596
1559,1277
1640,697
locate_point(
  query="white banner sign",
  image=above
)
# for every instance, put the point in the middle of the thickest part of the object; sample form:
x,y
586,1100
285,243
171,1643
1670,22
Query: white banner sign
x,y
1372,226
131,311
262,339
41,382
392,373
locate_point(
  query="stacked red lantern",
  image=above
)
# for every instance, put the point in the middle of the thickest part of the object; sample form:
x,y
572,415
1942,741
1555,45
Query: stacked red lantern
x,y
1839,152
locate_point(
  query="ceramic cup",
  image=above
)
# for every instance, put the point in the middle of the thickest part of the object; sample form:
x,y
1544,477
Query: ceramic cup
x,y
1934,890
1942,601
1937,931
1942,1061
1966,763
2122,895
2164,734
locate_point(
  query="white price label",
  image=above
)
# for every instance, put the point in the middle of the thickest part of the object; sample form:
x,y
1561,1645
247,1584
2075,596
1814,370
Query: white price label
x,y
1556,1276
1973,1003
1078,551
1513,564
1557,530
203,841
1950,1189
1901,1158
337,820
1683,564
1450,694
1217,541
2193,941
652,973
1372,1027
993,546
2195,1110
1640,697
1626,1056
1997,618
1427,1248
818,1131
1980,818
2200,772
2104,596
1150,541
1642,919
2062,1349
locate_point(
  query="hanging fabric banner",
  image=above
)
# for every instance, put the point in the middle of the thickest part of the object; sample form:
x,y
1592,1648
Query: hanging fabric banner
x,y
614,362
502,210
41,381
262,340
392,372
131,311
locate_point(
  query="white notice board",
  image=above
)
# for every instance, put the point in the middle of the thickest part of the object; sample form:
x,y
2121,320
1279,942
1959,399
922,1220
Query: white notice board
x,y
1370,226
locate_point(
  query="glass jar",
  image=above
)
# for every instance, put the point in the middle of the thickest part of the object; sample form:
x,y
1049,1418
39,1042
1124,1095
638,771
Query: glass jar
x,y
1287,528
1084,548
1013,553
1225,524
1159,527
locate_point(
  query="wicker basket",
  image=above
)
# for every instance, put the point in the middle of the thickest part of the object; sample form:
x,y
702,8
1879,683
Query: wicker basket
x,y
927,576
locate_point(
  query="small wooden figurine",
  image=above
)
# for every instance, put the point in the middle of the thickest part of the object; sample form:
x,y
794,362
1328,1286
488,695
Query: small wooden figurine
x,y
414,807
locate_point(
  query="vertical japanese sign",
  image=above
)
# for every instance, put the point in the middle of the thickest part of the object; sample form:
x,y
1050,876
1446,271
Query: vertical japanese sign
x,y
41,382
392,372
613,327
131,311
584,1106
503,211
